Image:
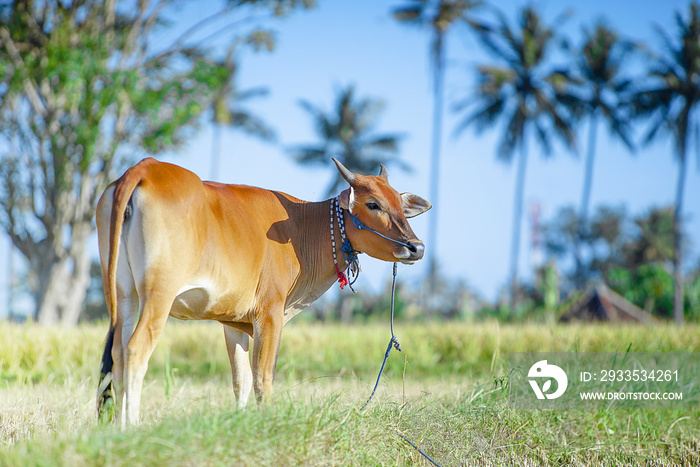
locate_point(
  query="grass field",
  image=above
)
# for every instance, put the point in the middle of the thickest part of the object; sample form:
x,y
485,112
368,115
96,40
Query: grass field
x,y
440,392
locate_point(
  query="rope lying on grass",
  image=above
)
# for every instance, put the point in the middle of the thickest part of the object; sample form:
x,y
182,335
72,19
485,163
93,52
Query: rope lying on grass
x,y
394,342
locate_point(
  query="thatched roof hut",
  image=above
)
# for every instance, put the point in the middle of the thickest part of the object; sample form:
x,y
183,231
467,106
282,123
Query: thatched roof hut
x,y
602,304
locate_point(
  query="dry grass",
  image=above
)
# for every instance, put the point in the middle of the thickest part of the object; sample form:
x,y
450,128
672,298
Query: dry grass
x,y
445,401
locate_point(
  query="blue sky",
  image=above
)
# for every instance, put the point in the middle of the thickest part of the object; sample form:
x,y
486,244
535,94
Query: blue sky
x,y
357,42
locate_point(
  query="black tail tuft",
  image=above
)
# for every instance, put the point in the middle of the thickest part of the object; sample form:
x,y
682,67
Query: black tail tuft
x,y
105,394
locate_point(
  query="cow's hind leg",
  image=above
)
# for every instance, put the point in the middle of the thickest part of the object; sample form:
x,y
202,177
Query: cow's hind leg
x,y
112,368
237,344
127,314
155,309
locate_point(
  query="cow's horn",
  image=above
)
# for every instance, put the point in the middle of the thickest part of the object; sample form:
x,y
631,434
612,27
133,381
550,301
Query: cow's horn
x,y
383,172
347,175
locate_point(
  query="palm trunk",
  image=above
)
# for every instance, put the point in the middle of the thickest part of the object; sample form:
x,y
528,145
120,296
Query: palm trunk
x,y
517,220
215,151
585,200
678,249
435,160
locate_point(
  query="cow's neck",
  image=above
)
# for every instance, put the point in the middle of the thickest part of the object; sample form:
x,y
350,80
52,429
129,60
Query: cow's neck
x,y
318,272
319,261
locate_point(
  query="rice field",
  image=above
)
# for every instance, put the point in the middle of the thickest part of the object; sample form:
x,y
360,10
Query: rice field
x,y
444,392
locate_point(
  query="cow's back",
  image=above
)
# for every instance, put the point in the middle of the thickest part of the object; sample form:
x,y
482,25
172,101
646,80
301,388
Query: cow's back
x,y
232,249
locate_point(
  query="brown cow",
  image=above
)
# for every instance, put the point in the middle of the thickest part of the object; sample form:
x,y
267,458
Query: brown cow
x,y
172,245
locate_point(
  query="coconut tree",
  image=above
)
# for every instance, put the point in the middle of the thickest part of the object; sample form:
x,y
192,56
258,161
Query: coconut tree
x,y
670,103
599,92
228,111
347,133
520,89
439,16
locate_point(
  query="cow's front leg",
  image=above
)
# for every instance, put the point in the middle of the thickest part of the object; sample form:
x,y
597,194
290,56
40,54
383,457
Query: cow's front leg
x,y
237,343
266,341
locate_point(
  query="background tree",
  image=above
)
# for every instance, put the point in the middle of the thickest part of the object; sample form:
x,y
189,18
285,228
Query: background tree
x,y
440,16
228,109
81,85
644,275
347,133
598,90
609,233
632,255
522,91
670,102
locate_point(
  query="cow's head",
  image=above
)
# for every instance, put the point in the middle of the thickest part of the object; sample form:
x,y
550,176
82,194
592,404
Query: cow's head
x,y
381,208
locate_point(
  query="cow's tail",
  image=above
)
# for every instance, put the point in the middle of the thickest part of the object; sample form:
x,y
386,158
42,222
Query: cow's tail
x,y
121,211
105,391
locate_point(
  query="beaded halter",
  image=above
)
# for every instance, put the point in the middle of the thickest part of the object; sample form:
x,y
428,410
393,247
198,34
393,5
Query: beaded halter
x,y
349,253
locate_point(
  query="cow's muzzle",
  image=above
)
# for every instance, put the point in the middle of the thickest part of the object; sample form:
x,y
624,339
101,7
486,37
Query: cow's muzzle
x,y
412,252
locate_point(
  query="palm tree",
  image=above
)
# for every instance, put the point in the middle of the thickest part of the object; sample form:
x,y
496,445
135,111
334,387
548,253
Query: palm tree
x,y
228,111
598,91
347,133
521,90
439,16
670,102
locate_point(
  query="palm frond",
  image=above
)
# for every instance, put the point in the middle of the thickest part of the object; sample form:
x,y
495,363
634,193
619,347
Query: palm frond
x,y
498,39
321,122
543,138
521,76
336,185
620,87
513,135
621,129
672,58
410,14
658,123
386,143
506,33
561,126
495,48
482,118
253,126
366,115
251,93
651,100
492,80
347,133
570,98
311,109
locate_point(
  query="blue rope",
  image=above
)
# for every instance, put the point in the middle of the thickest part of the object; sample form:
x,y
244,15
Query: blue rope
x,y
360,226
418,449
353,262
351,259
394,342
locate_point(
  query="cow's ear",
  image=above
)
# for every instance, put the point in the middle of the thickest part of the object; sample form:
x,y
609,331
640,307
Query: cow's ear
x,y
346,199
413,204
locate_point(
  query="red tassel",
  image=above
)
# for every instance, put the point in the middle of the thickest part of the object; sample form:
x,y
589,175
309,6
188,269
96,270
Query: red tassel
x,y
342,278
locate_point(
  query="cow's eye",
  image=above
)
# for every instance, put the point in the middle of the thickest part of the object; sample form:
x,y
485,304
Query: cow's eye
x,y
373,206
